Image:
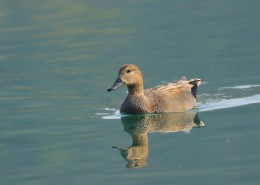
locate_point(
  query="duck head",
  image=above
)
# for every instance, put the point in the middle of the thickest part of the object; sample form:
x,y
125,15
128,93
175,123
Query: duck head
x,y
130,75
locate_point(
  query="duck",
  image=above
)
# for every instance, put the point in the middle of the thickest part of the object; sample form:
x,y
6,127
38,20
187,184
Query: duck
x,y
172,97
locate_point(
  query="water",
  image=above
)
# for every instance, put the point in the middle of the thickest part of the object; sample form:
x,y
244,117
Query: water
x,y
58,123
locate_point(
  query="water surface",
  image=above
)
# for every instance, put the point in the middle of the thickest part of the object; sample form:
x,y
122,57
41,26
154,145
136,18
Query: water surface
x,y
58,123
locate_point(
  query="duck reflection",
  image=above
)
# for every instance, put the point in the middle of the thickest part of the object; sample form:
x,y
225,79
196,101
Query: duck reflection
x,y
138,126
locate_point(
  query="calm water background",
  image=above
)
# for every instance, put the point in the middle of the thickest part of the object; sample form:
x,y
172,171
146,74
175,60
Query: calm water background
x,y
58,123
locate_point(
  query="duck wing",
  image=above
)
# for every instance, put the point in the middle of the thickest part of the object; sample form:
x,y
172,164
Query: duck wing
x,y
175,97
178,87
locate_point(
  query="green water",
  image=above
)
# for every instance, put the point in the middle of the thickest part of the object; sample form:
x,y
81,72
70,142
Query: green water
x,y
59,124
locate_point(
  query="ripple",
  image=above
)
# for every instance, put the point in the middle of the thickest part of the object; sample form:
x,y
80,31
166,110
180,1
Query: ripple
x,y
240,87
110,114
227,103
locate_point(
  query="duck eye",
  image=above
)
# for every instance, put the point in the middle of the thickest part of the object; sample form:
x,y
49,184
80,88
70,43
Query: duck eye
x,y
128,70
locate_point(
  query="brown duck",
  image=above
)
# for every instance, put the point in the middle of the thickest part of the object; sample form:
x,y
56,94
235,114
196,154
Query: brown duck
x,y
175,97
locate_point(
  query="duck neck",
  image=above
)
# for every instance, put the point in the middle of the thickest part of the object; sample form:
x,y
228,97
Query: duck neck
x,y
136,89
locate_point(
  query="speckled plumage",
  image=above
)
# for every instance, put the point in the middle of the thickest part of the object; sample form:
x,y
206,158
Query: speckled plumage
x,y
175,97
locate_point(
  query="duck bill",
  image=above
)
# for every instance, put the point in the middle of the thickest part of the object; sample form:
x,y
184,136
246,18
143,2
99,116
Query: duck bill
x,y
117,84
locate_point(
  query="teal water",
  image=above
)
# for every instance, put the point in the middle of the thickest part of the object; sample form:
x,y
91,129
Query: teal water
x,y
58,123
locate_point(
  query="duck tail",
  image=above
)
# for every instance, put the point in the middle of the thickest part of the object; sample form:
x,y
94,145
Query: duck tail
x,y
195,82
